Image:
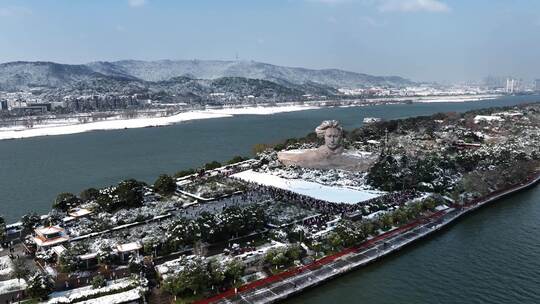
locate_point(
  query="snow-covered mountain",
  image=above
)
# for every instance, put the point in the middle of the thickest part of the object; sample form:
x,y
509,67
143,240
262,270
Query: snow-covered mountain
x,y
213,69
20,74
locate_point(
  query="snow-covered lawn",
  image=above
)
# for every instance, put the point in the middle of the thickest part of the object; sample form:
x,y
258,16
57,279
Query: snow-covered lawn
x,y
122,297
211,188
479,118
124,287
12,285
5,266
334,194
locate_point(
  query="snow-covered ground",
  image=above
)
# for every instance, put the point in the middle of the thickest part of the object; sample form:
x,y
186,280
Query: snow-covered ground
x,y
73,126
333,194
458,98
12,285
76,295
479,118
130,296
5,265
46,130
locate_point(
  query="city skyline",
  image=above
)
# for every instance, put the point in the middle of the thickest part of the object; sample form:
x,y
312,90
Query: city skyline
x,y
424,40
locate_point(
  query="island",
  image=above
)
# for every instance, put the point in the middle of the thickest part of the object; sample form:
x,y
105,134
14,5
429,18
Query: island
x,y
261,229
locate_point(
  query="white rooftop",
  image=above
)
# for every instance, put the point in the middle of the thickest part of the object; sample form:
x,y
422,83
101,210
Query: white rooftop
x,y
78,212
333,194
129,247
49,230
59,250
41,239
88,256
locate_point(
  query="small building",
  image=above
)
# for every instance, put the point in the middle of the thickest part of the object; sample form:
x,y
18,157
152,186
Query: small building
x,y
125,251
90,260
48,237
58,251
79,212
371,120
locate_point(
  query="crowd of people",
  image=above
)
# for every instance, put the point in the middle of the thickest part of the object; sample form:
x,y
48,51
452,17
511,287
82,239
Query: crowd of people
x,y
324,207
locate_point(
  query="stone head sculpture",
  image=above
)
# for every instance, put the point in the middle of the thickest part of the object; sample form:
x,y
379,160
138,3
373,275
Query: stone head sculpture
x,y
332,132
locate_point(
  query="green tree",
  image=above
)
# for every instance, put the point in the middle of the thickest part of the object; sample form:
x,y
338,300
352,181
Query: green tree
x,y
212,165
20,270
183,232
98,282
40,286
65,201
191,280
106,256
165,185
2,228
216,273
387,221
277,257
429,204
294,252
335,241
385,174
29,222
259,148
135,265
234,270
90,194
129,194
68,261
183,173
236,159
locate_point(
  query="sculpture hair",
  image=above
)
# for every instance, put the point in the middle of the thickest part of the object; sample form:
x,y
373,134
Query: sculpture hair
x,y
327,124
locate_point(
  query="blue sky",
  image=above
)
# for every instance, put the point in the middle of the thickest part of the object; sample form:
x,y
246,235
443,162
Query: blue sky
x,y
442,40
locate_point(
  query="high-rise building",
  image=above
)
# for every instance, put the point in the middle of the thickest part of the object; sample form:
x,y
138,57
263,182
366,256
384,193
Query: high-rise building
x,y
537,85
510,85
514,85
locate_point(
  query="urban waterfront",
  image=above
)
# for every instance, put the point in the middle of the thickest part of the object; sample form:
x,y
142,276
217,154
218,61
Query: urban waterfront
x,y
490,256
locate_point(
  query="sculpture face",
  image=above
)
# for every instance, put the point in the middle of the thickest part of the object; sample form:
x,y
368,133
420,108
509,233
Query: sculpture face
x,y
332,138
330,156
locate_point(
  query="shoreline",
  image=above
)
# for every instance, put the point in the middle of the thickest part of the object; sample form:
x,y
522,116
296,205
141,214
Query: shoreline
x,y
72,126
299,279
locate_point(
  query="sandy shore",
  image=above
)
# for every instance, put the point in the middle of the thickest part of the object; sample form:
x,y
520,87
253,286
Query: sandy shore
x,y
455,98
71,127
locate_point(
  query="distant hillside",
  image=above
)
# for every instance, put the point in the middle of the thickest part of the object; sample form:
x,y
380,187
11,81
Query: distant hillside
x,y
213,69
21,74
